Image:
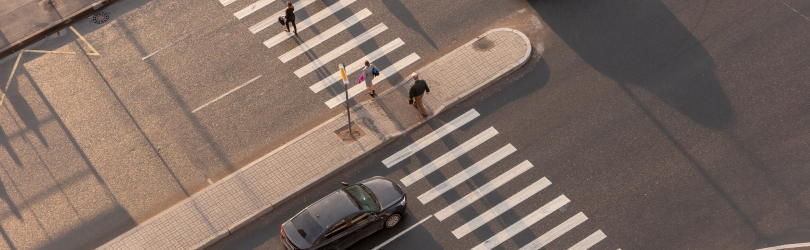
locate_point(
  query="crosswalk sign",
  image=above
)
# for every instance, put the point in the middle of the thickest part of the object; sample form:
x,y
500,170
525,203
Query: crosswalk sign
x,y
343,73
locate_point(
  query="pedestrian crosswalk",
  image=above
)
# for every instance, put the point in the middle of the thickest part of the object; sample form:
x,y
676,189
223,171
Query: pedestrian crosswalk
x,y
314,15
537,214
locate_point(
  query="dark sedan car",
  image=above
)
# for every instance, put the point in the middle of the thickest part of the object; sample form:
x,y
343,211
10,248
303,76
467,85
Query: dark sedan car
x,y
346,216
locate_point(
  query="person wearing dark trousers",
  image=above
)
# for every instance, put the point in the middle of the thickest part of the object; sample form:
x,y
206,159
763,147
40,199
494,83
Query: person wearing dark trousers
x,y
418,90
290,18
368,77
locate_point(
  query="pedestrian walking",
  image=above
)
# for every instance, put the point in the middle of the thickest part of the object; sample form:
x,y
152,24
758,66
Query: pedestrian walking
x,y
418,90
289,17
369,72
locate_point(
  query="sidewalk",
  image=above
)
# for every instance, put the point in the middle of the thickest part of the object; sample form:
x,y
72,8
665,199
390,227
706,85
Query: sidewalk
x,y
241,197
23,22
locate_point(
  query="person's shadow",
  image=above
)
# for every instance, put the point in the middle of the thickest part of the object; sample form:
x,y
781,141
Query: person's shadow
x,y
644,44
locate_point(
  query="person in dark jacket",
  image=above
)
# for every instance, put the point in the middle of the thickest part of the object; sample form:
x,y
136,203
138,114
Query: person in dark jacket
x,y
290,18
418,90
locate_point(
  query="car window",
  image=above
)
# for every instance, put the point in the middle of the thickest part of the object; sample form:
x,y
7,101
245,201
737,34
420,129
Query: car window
x,y
361,219
363,198
339,228
307,226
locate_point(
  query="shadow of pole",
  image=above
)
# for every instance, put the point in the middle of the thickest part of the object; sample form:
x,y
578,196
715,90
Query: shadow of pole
x,y
401,12
24,111
6,144
135,122
165,82
70,136
644,44
696,165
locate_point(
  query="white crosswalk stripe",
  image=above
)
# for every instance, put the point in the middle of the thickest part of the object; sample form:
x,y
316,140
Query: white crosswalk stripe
x,y
467,173
589,241
298,6
448,157
491,186
304,24
226,2
304,47
340,50
502,207
430,138
478,194
556,232
252,8
356,65
524,223
385,73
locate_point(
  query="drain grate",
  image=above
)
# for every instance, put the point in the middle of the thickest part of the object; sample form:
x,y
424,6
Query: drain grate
x,y
100,17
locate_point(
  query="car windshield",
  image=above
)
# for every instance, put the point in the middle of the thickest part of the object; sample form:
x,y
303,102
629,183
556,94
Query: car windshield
x,y
363,198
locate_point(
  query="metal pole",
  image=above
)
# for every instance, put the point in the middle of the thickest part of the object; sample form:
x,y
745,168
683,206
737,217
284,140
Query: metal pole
x,y
348,112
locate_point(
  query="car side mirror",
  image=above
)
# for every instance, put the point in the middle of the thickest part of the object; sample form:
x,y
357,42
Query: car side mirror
x,y
344,183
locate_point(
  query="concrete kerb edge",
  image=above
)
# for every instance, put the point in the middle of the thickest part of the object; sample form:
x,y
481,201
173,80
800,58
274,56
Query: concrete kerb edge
x,y
300,188
497,76
50,29
467,94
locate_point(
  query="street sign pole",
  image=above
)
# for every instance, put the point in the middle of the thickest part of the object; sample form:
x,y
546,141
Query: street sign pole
x,y
346,87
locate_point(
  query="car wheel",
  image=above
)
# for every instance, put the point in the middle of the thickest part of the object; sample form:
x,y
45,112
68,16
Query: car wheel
x,y
392,220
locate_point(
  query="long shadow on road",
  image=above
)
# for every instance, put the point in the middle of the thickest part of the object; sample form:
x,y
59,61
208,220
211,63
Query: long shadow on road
x,y
642,43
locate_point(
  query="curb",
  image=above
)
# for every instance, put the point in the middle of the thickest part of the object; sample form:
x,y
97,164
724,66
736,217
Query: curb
x,y
384,142
53,28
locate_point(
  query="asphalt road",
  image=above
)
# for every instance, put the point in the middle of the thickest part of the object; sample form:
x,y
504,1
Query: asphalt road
x,y
94,145
669,124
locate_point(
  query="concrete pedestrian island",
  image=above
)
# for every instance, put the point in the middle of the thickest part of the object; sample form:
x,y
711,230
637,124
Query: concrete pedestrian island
x,y
248,193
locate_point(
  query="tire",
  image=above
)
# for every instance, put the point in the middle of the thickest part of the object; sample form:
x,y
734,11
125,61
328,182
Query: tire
x,y
392,220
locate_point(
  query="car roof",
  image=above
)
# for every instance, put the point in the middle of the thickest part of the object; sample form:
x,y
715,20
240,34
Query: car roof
x,y
330,209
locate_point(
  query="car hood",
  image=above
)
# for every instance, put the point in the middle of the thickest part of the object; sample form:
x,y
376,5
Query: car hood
x,y
386,191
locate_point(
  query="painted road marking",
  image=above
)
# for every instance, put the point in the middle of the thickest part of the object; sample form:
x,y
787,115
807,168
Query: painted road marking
x,y
274,18
401,233
491,186
430,138
252,8
359,88
223,95
556,232
226,2
588,242
161,49
524,223
340,50
788,246
305,23
448,157
304,47
501,208
467,173
357,65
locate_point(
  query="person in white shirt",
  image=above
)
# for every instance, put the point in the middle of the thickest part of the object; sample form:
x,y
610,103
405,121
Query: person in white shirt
x,y
368,77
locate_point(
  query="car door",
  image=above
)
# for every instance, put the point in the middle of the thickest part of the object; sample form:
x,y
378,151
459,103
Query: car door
x,y
362,225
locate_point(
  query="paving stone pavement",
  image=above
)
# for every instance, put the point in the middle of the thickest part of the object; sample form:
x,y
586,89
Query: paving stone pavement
x,y
239,198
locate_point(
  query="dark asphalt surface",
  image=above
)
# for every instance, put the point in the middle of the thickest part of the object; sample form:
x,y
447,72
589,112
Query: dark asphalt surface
x,y
670,124
94,145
